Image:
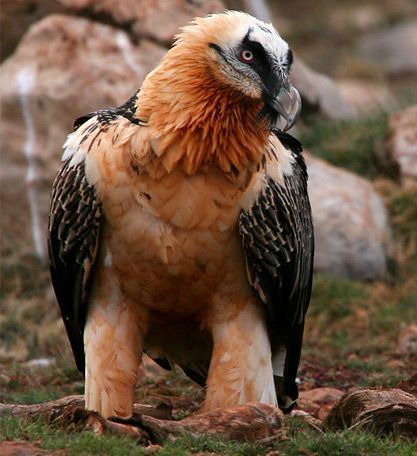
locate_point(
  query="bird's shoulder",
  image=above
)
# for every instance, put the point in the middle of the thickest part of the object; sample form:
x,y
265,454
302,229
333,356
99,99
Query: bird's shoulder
x,y
108,144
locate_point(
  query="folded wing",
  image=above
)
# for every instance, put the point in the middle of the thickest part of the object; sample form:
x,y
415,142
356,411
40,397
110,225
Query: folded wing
x,y
277,239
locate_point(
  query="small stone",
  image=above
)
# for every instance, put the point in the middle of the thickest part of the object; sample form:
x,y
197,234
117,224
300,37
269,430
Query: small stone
x,y
22,448
317,423
403,141
322,395
152,449
324,412
40,363
407,341
314,399
395,364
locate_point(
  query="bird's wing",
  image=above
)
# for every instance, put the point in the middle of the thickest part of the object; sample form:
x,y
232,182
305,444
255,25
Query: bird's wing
x,y
74,223
277,238
74,227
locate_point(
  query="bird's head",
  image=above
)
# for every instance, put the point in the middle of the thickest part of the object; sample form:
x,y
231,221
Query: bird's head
x,y
248,56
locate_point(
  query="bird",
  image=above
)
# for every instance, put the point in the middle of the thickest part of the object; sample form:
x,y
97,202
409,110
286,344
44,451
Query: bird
x,y
180,225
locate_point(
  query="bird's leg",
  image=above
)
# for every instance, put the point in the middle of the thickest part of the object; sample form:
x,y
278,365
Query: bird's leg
x,y
241,368
113,340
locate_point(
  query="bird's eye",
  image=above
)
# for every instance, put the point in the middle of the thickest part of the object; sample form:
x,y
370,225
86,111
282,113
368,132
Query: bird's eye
x,y
246,56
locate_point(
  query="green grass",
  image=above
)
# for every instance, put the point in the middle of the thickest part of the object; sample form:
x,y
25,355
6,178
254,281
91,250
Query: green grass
x,y
333,314
16,278
33,396
353,144
352,330
358,316
11,330
337,296
402,208
24,385
301,439
76,443
189,444
304,440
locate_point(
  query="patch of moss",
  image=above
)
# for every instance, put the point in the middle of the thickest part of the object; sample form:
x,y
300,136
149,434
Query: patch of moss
x,y
75,443
11,330
402,206
25,385
305,440
335,296
209,445
353,144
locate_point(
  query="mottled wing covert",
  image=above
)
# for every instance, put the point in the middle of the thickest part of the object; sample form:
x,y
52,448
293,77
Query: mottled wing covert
x,y
277,239
74,227
73,233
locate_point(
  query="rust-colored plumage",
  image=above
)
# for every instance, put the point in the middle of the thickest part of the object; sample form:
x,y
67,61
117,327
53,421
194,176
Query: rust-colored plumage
x,y
190,260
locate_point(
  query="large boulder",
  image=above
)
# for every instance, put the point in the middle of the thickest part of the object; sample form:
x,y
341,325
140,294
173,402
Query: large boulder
x,y
17,16
64,67
366,97
158,20
403,141
392,49
320,92
351,228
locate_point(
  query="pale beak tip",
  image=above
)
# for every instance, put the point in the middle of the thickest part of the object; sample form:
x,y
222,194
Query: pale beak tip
x,y
288,103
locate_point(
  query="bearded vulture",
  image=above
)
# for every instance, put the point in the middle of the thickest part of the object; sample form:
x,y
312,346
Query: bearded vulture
x,y
180,225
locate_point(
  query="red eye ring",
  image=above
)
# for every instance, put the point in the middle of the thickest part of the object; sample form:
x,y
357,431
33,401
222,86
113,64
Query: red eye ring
x,y
246,56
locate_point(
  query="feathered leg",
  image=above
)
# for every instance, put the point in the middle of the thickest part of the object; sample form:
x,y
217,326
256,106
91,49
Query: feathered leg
x,y
113,340
241,368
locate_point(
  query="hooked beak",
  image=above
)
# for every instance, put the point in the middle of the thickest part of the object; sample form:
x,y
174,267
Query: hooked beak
x,y
288,105
283,108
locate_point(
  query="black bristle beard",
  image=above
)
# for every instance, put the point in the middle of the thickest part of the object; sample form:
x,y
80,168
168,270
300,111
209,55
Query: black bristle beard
x,y
269,115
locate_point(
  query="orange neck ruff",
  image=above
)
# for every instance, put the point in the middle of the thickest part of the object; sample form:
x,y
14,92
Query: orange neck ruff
x,y
197,121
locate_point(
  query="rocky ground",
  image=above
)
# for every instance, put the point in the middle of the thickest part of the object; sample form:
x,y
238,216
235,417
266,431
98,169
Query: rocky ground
x,y
357,77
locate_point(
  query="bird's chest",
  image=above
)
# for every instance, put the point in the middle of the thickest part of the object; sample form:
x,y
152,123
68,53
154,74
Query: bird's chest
x,y
174,243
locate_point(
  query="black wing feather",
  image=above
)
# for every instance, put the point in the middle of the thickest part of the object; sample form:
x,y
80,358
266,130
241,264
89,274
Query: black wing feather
x,y
73,234
107,116
278,243
74,229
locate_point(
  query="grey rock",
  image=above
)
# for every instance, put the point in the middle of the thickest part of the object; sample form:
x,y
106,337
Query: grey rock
x,y
157,20
321,92
366,97
16,16
55,76
393,49
350,223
